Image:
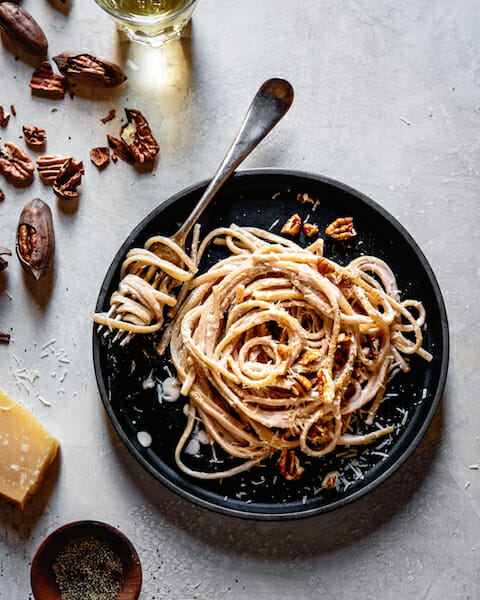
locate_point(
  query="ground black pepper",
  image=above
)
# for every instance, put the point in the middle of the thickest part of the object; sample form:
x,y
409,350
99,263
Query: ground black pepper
x,y
88,569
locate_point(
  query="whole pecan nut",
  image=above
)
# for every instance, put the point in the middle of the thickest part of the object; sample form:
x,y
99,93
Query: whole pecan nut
x,y
34,136
100,157
22,29
138,137
86,69
68,179
49,166
35,243
15,164
45,82
341,228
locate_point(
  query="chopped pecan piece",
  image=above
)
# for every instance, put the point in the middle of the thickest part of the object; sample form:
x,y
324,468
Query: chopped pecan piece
x,y
292,226
111,115
34,136
310,229
309,356
331,480
13,110
2,195
45,82
289,465
3,262
341,228
15,164
4,117
120,150
282,350
138,137
302,385
86,69
5,337
304,198
325,267
69,178
49,166
100,157
326,387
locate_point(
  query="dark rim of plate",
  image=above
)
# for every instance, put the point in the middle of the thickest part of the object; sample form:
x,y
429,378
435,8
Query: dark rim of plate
x,y
265,511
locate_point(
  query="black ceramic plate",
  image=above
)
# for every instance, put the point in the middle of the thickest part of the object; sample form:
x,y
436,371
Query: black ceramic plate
x,y
266,198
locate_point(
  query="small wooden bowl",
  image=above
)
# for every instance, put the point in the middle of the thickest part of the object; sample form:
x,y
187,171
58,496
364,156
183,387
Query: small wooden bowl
x,y
42,577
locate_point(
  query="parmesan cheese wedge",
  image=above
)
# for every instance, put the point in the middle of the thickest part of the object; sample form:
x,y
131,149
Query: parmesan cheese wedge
x,y
26,451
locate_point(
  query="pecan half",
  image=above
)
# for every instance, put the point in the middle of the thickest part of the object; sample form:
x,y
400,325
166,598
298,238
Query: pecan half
x,y
69,178
100,157
289,465
15,164
326,386
3,262
341,228
49,166
4,117
22,29
111,115
120,150
34,136
138,137
292,226
86,69
331,480
45,82
309,356
302,385
35,238
310,229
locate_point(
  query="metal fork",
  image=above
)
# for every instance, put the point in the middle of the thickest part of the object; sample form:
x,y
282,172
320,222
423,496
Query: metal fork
x,y
269,105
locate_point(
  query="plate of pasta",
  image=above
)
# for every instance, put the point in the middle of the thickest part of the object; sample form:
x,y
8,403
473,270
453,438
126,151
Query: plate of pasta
x,y
283,364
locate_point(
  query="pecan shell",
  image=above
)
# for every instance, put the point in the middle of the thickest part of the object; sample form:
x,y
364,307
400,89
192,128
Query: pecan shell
x,y
68,179
86,69
34,136
22,29
35,244
138,137
45,82
15,164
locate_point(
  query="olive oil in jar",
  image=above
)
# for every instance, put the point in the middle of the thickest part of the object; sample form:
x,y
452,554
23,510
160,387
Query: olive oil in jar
x,y
147,8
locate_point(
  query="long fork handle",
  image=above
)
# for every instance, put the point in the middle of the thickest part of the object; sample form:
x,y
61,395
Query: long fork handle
x,y
270,103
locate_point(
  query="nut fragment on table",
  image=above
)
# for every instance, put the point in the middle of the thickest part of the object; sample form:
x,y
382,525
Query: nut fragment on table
x,y
310,229
138,137
35,243
111,115
341,229
45,82
86,69
100,157
4,117
292,226
49,166
15,164
22,29
35,137
2,195
68,179
120,150
3,262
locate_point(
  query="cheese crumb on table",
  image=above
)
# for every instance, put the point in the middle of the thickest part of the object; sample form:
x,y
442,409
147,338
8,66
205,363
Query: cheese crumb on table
x,y
26,451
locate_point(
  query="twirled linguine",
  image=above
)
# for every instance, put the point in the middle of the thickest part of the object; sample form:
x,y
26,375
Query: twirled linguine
x,y
278,348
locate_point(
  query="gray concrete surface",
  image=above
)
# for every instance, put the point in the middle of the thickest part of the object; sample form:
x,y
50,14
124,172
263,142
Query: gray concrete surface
x,y
388,101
